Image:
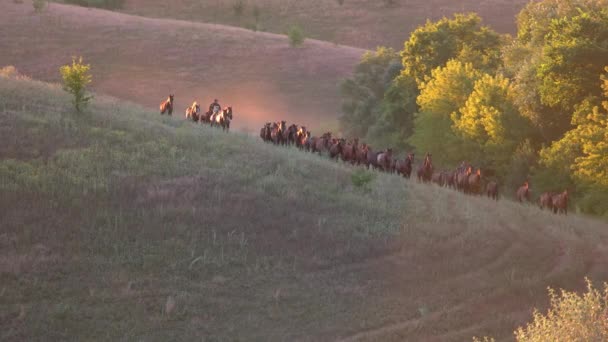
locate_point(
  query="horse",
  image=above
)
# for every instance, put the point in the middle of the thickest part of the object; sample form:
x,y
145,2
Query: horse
x,y
323,143
384,159
523,192
462,179
276,133
425,171
546,200
336,148
265,132
193,112
404,167
222,118
560,203
300,136
492,190
167,106
349,152
372,159
474,182
289,135
361,157
437,178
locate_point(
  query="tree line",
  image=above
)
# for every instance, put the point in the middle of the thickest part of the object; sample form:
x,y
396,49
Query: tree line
x,y
533,106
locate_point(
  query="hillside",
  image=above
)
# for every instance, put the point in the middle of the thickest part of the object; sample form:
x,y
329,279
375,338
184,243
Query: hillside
x,y
143,60
361,23
120,224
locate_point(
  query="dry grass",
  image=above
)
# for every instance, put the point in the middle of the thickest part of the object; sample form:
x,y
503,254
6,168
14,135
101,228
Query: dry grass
x,y
361,23
124,225
143,60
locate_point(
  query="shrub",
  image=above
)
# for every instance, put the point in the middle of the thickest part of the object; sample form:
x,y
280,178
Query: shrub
x,y
39,5
296,36
238,7
361,179
340,2
76,77
108,4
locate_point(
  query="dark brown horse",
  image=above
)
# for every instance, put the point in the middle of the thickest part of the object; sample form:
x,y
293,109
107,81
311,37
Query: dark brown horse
x,y
523,193
301,136
289,135
265,132
546,200
462,179
323,143
425,171
372,158
492,190
167,106
404,167
474,183
276,132
336,148
349,151
560,203
362,154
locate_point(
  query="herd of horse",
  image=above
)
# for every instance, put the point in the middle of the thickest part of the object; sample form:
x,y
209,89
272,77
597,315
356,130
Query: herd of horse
x,y
214,116
465,178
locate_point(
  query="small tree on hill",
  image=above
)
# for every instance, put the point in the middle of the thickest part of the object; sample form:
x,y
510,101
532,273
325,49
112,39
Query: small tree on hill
x,y
296,36
39,5
76,77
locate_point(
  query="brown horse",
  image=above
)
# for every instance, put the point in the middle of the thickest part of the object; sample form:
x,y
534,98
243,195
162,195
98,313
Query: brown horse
x,y
362,154
323,143
404,167
167,106
289,135
222,118
301,136
492,190
437,178
385,159
560,203
425,171
193,112
546,200
336,148
276,132
474,182
372,158
265,132
349,151
523,193
462,179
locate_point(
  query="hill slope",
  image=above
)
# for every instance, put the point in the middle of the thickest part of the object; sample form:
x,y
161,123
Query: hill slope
x,y
143,60
120,224
361,23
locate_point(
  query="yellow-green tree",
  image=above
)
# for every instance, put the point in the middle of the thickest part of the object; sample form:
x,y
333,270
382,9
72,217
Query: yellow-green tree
x,y
76,78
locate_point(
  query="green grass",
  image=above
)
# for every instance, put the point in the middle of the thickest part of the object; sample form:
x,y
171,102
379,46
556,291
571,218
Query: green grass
x,y
111,216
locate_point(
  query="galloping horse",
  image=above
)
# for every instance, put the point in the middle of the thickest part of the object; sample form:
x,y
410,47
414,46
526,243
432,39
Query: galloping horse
x,y
167,106
425,171
193,112
222,118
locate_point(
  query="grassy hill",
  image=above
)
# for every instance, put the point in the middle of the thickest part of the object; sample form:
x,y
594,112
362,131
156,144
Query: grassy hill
x,y
143,60
361,23
121,224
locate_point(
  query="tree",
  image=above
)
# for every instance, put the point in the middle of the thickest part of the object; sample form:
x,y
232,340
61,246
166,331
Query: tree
x,y
462,38
440,100
76,78
490,120
295,35
364,91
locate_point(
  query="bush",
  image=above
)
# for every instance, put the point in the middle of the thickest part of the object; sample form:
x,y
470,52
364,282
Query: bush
x,y
296,36
238,7
107,4
39,5
76,77
361,179
571,317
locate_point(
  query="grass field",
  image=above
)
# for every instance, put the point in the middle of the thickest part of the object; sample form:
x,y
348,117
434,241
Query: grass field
x,y
143,60
362,23
121,224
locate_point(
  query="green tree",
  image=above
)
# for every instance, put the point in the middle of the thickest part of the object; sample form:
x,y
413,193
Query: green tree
x,y
462,37
491,121
296,36
363,93
76,78
440,100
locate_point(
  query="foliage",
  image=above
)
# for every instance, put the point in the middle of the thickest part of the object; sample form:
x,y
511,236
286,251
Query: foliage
x,y
361,179
108,4
296,35
238,7
39,5
571,317
76,78
462,38
364,91
440,100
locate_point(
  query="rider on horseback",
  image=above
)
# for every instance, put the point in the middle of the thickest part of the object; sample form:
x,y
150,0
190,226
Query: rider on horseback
x,y
214,107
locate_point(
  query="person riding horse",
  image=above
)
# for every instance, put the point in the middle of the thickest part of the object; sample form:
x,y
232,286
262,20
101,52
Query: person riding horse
x,y
214,107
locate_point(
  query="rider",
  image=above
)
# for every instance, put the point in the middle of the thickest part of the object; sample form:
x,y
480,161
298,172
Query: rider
x,y
213,105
